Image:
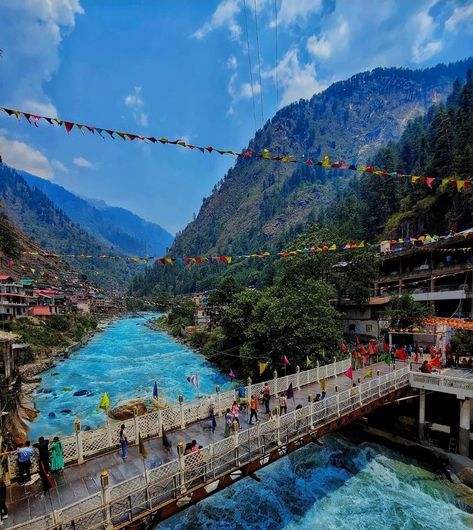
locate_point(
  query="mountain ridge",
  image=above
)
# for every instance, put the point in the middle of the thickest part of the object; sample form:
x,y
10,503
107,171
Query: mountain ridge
x,y
114,226
260,203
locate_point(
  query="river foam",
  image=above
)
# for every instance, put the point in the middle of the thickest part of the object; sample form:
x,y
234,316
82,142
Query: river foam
x,y
342,486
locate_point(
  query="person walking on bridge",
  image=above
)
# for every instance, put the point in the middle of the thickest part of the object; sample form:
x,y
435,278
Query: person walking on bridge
x,y
266,397
253,409
3,499
123,442
43,450
57,456
25,454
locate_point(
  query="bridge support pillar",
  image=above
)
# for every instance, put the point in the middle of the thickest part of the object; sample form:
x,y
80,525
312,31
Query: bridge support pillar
x,y
422,415
464,434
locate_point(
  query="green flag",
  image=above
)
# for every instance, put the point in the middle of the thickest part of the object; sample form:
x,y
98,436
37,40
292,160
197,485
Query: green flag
x,y
104,402
308,362
386,358
369,373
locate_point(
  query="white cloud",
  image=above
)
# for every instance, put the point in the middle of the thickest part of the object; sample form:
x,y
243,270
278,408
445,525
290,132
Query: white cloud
x,y
322,47
461,18
136,104
424,46
82,162
225,16
297,11
245,90
297,80
232,63
24,157
59,166
32,31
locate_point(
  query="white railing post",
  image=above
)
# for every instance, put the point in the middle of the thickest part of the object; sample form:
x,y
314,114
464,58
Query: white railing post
x,y
379,383
338,400
136,424
57,518
258,434
275,383
335,369
182,466
249,392
106,499
278,426
298,377
236,442
79,442
211,458
219,401
181,410
318,370
109,433
148,503
326,371
159,423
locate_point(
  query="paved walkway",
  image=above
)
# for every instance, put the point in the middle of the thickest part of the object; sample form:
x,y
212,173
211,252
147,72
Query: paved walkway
x,y
79,481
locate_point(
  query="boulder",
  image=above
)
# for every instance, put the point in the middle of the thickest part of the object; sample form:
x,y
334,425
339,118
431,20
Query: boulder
x,y
466,476
83,393
127,409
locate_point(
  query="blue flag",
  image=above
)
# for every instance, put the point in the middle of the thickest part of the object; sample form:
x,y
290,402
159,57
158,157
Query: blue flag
x,y
155,390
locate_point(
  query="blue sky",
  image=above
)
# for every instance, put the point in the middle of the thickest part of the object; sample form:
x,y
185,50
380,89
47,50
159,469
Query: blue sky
x,y
179,68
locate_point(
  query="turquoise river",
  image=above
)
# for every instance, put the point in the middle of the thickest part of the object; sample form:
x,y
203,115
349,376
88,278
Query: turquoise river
x,y
342,485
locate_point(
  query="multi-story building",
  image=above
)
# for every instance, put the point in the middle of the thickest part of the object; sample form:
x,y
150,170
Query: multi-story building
x,y
439,273
13,302
47,302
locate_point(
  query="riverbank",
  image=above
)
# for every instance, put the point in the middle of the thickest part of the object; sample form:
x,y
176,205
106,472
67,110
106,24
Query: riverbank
x,y
17,422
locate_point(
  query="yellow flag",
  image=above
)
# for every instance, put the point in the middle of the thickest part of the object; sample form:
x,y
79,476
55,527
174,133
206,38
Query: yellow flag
x,y
333,247
323,385
369,373
326,161
266,154
414,179
262,367
460,184
104,402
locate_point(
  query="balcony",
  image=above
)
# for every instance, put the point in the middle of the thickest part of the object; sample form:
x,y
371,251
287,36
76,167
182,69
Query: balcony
x,y
423,271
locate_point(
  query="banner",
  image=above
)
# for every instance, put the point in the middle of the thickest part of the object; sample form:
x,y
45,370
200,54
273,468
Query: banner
x,y
429,181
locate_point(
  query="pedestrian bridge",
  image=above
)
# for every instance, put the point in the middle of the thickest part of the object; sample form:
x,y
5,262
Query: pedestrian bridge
x,y
169,486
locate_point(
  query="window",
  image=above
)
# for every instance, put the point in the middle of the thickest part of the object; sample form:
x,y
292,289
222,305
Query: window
x,y
369,328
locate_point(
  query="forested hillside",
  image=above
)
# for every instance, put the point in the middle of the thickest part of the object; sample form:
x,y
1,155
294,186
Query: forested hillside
x,y
37,216
113,226
262,205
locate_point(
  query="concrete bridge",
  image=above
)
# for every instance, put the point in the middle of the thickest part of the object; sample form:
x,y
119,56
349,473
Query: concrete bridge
x,y
166,483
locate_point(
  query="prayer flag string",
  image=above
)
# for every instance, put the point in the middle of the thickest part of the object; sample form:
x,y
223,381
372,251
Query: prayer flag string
x,y
325,163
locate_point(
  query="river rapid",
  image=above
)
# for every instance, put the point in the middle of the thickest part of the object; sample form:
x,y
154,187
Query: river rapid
x,y
343,485
124,360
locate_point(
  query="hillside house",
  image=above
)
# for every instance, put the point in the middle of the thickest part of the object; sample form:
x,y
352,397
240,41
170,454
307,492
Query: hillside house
x,y
13,301
47,302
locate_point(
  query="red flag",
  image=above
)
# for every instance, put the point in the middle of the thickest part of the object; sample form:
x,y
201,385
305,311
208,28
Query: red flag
x,y
68,125
349,373
363,350
436,363
357,341
344,347
385,346
401,354
285,361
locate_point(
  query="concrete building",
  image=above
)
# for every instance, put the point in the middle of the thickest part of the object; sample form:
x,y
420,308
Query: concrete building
x,y
438,273
13,301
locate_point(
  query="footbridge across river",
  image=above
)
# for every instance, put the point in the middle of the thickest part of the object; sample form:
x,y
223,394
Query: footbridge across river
x,y
84,499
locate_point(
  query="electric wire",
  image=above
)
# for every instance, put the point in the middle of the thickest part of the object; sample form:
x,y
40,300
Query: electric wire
x,y
249,63
259,63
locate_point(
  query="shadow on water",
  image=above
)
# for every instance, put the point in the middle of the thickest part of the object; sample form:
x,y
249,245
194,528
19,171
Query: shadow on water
x,y
343,485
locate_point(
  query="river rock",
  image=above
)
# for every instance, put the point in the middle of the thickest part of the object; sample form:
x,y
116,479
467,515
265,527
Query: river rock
x,y
52,415
83,393
66,411
126,411
466,476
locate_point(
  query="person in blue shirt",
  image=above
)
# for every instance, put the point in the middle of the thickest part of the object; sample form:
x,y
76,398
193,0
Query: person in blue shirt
x,y
25,454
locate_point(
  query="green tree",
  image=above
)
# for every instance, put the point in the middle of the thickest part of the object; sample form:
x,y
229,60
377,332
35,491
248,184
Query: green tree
x,y
404,311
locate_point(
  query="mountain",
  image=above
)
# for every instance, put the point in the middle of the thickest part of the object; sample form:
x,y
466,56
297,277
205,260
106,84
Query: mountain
x,y
30,209
259,203
114,226
263,205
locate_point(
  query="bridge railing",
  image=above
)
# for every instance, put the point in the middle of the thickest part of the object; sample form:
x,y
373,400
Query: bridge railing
x,y
87,444
144,493
445,383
